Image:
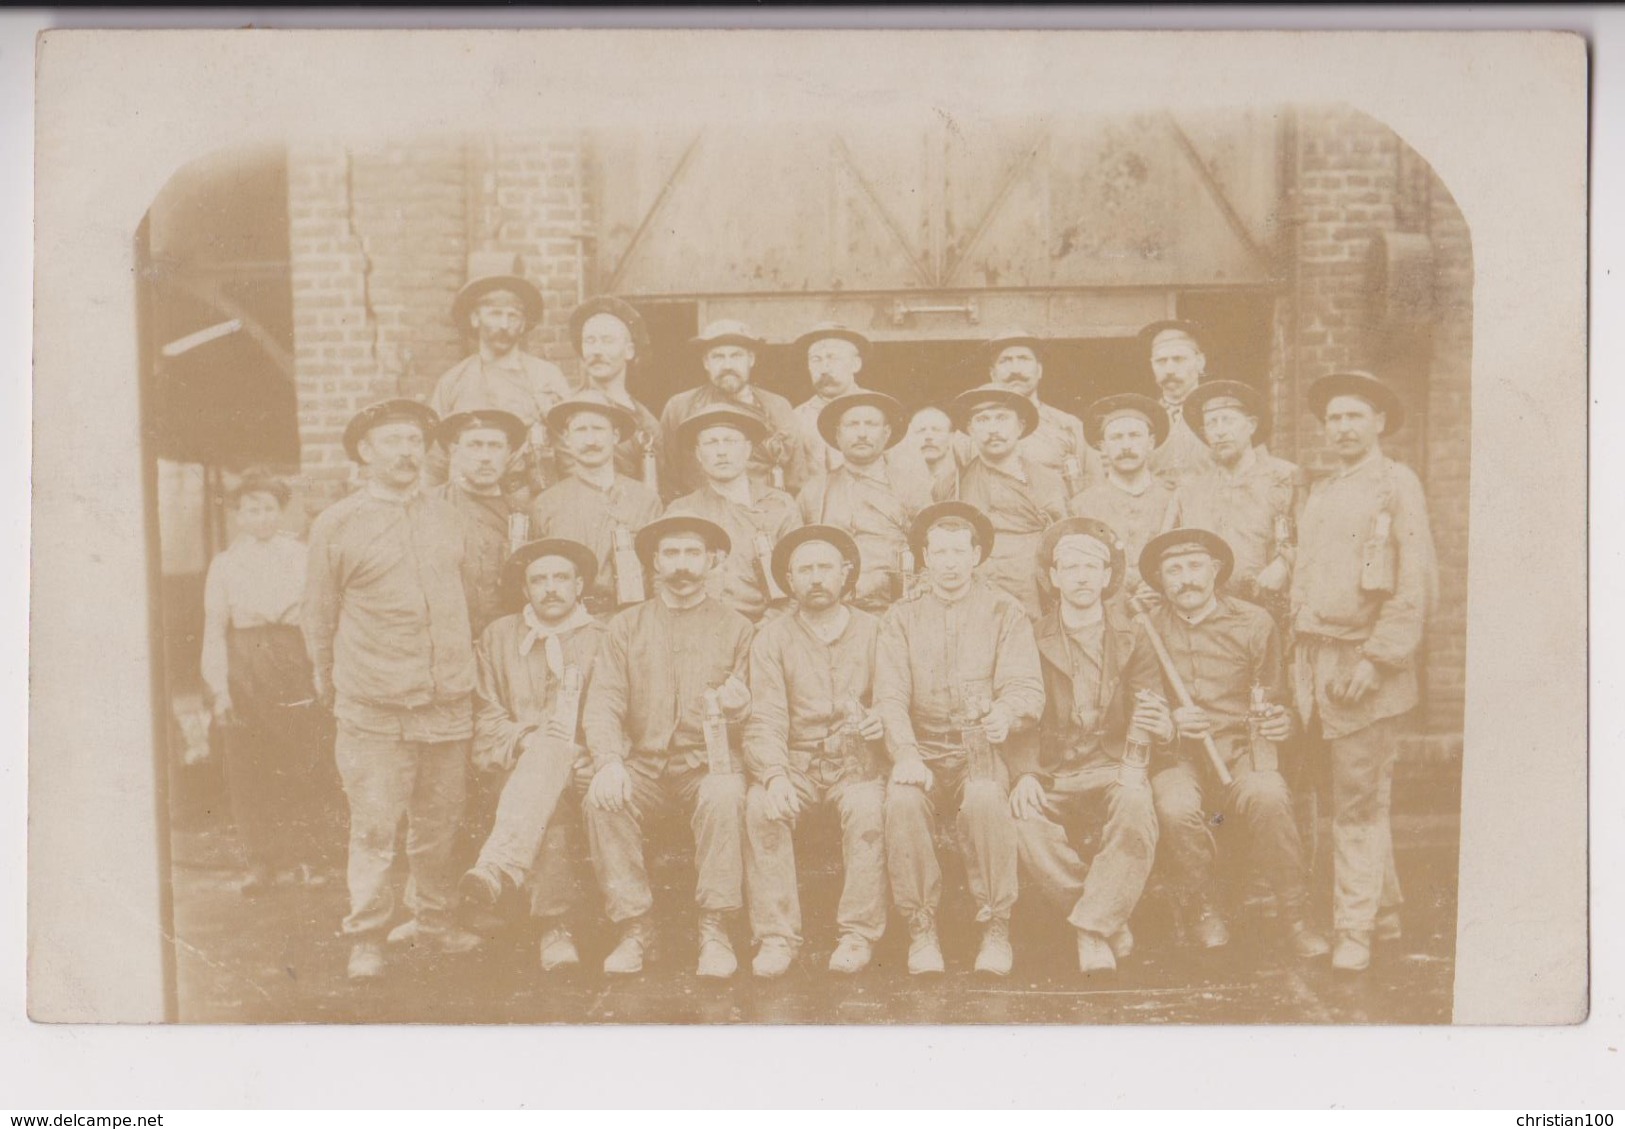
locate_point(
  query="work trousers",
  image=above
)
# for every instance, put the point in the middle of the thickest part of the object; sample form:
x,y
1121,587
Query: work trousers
x,y
1365,882
532,838
770,859
1100,895
387,780
715,804
986,833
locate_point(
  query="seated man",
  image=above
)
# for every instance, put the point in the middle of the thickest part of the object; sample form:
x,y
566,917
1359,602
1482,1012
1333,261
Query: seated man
x,y
1226,655
812,739
647,710
1081,772
533,666
956,676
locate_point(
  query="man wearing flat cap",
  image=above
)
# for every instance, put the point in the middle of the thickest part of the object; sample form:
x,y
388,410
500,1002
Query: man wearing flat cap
x,y
478,445
866,495
754,516
594,503
1227,656
813,740
610,338
1365,580
835,355
386,620
957,682
1076,776
645,722
1129,498
1178,364
728,350
533,666
1018,496
1015,361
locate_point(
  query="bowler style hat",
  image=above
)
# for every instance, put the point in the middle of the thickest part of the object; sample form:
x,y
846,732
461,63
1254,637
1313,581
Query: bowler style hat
x,y
513,569
1082,527
616,308
496,271
1108,408
453,426
1182,326
829,419
719,415
830,535
559,416
1182,541
726,332
1226,394
647,539
388,411
966,404
1362,384
926,518
827,329
1006,338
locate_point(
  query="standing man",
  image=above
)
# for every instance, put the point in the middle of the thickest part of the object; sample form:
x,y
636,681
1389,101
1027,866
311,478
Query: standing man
x,y
1015,362
728,351
645,725
813,738
533,666
865,494
478,446
386,622
1366,578
611,340
1077,775
932,449
1019,497
1130,499
834,355
956,679
754,516
1177,366
595,502
1228,657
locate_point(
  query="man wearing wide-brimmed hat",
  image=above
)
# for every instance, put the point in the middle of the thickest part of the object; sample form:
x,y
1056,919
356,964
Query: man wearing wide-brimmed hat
x,y
1021,498
956,683
867,495
1128,428
728,350
594,503
1227,654
1365,580
834,355
478,446
533,665
610,338
1015,360
645,724
386,623
755,516
814,738
1174,349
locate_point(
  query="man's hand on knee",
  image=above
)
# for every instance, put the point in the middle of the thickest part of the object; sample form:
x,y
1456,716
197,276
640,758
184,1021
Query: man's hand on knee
x,y
611,787
1027,798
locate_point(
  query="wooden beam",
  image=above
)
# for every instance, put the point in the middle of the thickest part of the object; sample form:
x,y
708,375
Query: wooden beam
x,y
1216,192
654,209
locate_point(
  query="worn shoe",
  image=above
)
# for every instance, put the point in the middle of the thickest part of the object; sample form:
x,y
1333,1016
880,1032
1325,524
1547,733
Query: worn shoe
x,y
481,889
627,957
1095,953
996,957
1211,931
1306,941
406,933
1122,943
452,941
366,961
1388,927
924,951
773,958
558,949
852,955
717,960
1353,951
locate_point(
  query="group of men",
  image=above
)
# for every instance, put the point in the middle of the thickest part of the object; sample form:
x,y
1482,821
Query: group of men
x,y
1073,639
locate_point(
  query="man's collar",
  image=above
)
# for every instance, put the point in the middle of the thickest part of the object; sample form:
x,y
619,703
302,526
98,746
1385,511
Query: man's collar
x,y
1244,465
1371,457
738,491
511,359
601,479
467,487
1200,617
382,493
840,621
1146,483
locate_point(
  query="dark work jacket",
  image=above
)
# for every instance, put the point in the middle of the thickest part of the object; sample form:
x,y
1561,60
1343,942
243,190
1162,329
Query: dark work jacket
x,y
1066,745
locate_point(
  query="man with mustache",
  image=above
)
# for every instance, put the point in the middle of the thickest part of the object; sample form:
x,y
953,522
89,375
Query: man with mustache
x,y
1228,656
644,721
835,355
1365,581
1076,776
533,665
1015,360
867,495
728,351
956,683
1020,497
722,439
386,621
611,340
1177,365
813,739
1248,497
1133,501
595,500
478,446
